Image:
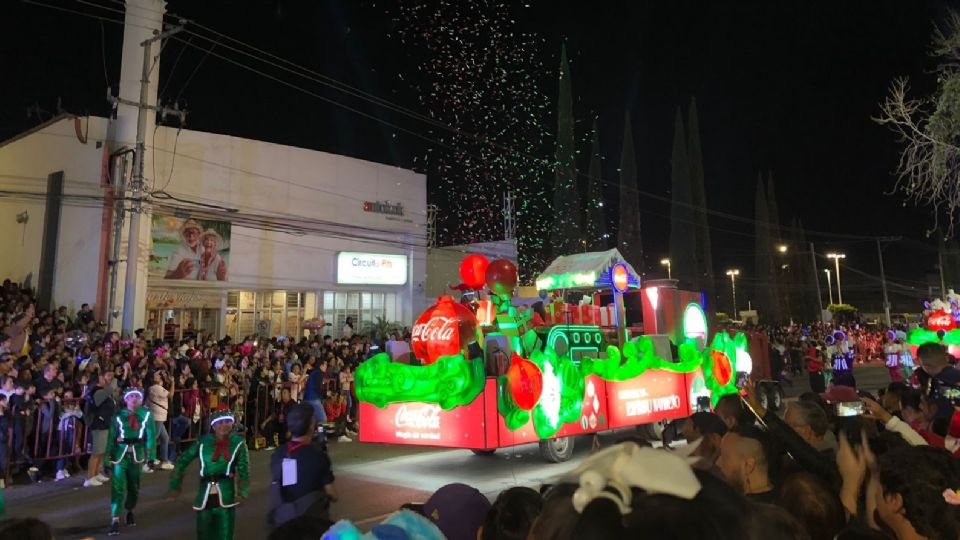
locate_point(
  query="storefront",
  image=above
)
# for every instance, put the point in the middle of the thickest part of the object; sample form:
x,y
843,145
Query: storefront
x,y
174,314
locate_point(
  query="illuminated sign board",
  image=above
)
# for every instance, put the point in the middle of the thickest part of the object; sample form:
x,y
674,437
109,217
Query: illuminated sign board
x,y
371,269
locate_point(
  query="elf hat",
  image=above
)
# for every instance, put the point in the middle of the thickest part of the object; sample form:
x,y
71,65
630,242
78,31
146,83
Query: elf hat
x,y
221,416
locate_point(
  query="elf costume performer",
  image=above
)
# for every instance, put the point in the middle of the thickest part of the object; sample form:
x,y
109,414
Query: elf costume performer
x,y
224,477
130,442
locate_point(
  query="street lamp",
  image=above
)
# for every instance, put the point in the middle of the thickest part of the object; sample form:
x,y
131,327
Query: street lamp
x,y
666,262
733,273
782,248
836,259
829,285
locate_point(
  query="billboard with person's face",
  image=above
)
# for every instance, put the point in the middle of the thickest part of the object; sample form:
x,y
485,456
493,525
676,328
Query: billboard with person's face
x,y
187,248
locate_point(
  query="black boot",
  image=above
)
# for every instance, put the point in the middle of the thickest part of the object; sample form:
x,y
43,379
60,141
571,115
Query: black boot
x,y
114,528
130,521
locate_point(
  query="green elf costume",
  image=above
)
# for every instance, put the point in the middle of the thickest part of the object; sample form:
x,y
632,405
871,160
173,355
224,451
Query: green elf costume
x,y
224,477
130,442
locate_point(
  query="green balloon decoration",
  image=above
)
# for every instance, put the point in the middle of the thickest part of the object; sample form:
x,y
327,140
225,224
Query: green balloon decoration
x,y
920,336
638,357
449,382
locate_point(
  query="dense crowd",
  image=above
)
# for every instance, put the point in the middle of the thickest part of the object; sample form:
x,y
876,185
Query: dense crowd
x,y
839,464
61,378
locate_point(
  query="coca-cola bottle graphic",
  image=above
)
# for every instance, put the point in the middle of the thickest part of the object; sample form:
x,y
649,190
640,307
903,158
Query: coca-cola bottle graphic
x,y
444,329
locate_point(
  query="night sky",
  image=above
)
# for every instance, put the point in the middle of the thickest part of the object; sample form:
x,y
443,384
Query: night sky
x,y
783,86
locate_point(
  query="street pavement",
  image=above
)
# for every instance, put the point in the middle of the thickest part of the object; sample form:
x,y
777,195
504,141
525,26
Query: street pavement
x,y
373,481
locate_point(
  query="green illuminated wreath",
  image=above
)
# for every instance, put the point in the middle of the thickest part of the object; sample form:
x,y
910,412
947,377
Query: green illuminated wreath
x,y
449,382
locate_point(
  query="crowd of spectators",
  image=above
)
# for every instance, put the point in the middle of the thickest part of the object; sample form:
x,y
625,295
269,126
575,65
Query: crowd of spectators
x,y
61,377
816,473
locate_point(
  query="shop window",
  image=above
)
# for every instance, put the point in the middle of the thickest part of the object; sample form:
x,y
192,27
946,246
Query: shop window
x,y
328,301
233,299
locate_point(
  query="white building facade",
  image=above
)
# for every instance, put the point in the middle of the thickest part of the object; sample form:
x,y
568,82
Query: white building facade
x,y
360,250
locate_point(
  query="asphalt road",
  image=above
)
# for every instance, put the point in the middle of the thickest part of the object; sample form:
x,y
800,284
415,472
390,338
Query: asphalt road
x,y
373,480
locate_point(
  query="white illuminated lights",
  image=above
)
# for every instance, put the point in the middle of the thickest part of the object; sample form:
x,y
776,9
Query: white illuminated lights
x,y
694,322
744,362
550,397
653,295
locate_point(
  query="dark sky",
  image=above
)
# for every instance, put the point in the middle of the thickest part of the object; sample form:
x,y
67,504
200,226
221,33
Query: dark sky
x,y
783,86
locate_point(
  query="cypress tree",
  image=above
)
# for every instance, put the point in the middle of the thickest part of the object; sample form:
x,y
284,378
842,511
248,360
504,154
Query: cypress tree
x,y
776,238
595,223
766,299
683,243
699,198
566,232
628,236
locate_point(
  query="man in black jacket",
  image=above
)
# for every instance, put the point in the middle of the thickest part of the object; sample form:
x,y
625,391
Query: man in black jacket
x,y
303,481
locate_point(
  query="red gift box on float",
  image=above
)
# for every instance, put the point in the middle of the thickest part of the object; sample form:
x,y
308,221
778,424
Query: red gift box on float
x,y
607,315
556,313
589,314
573,315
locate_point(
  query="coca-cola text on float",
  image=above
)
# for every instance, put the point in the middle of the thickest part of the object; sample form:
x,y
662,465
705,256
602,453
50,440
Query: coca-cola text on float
x,y
424,417
444,329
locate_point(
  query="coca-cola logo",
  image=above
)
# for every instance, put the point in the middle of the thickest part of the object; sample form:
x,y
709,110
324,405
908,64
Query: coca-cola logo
x,y
436,329
940,320
426,417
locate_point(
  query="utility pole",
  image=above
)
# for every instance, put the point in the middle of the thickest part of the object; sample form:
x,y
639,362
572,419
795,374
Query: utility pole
x,y
119,190
137,185
883,279
816,274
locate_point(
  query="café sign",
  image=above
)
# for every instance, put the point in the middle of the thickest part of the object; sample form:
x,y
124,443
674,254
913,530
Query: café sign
x,y
371,268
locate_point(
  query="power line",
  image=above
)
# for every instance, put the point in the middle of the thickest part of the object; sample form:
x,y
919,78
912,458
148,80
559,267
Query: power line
x,y
542,162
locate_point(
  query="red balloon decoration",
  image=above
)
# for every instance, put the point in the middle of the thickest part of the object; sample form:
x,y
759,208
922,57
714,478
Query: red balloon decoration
x,y
722,369
445,329
502,277
473,271
525,382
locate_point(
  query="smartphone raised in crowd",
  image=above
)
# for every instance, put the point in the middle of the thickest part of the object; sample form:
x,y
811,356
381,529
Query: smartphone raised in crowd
x,y
848,408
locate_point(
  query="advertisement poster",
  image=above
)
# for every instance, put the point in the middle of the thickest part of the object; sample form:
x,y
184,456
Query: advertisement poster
x,y
655,395
189,249
424,424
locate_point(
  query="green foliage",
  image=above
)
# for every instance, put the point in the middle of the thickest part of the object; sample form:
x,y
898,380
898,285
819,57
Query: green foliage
x,y
843,312
378,330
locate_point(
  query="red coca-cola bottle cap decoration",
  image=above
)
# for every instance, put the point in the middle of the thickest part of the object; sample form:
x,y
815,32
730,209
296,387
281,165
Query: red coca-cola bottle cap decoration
x,y
445,329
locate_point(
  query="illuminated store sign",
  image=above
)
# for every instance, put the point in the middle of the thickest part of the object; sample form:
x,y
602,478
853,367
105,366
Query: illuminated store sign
x,y
371,269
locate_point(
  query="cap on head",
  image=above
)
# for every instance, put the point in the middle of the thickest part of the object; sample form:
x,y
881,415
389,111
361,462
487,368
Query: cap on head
x,y
458,510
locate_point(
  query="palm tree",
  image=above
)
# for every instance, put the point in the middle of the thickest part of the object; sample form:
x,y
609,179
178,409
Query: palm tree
x,y
378,330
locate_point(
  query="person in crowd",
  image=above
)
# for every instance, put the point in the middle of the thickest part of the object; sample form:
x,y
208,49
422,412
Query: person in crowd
x,y
347,331
99,409
708,429
335,407
512,515
815,505
772,521
276,425
224,477
815,367
810,422
303,484
745,461
458,510
316,389
25,529
158,401
130,443
731,411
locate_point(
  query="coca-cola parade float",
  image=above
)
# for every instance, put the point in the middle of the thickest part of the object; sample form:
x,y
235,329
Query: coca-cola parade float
x,y
494,375
942,325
